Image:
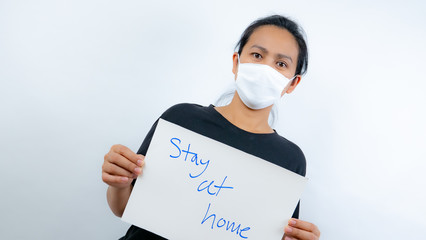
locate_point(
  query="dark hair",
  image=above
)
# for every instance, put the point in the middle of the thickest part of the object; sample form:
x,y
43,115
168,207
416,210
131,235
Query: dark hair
x,y
285,23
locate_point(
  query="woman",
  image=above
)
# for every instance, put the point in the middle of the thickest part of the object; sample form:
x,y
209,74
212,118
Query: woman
x,y
271,58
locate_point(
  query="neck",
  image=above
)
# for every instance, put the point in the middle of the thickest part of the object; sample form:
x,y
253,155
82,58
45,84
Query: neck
x,y
250,120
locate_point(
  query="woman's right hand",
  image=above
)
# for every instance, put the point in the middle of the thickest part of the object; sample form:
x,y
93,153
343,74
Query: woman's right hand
x,y
121,166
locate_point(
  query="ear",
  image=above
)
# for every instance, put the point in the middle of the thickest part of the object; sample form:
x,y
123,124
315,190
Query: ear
x,y
235,64
290,88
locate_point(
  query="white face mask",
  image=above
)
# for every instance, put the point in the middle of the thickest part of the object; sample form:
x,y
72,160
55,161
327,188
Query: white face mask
x,y
258,85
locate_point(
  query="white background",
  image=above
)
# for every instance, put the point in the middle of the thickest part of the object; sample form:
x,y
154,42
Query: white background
x,y
79,76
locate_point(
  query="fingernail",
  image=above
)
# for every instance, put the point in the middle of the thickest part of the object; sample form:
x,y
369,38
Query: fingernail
x,y
292,222
287,238
288,229
124,179
138,170
139,162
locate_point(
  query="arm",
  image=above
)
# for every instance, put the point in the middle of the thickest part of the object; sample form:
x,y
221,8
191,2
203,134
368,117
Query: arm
x,y
120,167
117,199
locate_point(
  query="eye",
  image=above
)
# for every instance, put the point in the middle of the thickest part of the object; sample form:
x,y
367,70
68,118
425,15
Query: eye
x,y
281,64
256,55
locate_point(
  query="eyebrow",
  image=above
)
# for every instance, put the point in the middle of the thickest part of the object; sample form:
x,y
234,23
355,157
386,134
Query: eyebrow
x,y
279,55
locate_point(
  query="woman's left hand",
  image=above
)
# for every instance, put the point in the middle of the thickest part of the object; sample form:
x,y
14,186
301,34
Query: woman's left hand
x,y
301,230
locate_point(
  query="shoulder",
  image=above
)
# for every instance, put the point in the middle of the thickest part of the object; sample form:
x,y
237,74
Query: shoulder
x,y
291,145
184,111
188,115
182,107
291,151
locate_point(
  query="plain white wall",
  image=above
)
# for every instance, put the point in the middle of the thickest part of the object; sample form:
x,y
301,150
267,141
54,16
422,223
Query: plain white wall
x,y
79,76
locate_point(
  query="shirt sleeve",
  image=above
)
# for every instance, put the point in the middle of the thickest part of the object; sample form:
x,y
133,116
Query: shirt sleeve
x,y
296,211
146,142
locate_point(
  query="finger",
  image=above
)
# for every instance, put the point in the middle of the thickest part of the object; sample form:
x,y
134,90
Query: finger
x,y
124,163
129,154
287,238
112,180
297,233
115,170
307,226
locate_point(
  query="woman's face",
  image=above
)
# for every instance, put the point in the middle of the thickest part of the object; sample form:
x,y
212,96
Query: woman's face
x,y
273,46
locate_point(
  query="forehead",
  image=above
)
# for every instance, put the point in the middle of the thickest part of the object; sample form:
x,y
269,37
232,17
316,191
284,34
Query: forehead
x,y
275,40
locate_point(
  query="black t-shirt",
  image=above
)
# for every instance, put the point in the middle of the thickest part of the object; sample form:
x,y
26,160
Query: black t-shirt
x,y
210,123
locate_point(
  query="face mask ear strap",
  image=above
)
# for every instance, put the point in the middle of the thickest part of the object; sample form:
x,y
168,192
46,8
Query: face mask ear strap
x,y
238,57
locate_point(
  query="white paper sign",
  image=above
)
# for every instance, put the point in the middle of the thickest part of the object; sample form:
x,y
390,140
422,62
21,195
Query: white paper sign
x,y
193,187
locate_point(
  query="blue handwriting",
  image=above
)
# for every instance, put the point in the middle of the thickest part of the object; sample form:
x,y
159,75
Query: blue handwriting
x,y
222,222
216,186
194,158
208,186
